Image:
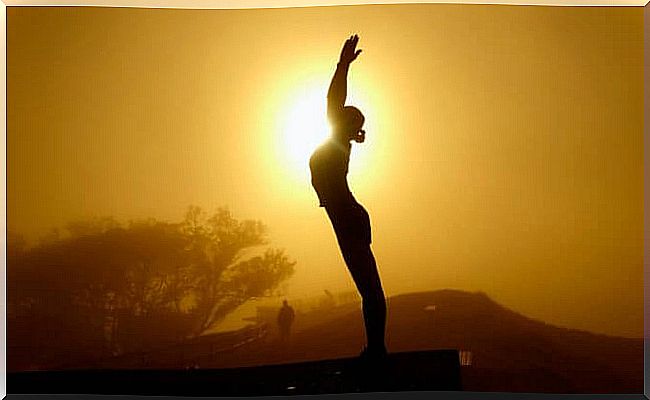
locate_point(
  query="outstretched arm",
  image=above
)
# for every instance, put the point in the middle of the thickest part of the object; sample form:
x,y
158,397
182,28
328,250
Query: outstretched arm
x,y
338,87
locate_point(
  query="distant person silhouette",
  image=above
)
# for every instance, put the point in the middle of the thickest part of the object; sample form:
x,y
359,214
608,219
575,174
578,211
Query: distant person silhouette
x,y
351,222
285,320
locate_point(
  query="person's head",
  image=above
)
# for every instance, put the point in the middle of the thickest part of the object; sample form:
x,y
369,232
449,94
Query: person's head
x,y
285,303
349,124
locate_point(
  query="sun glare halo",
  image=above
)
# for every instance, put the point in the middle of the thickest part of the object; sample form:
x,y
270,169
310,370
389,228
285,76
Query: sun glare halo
x,y
303,128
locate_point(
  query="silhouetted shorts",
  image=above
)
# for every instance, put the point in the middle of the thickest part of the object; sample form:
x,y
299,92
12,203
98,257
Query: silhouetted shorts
x,y
351,225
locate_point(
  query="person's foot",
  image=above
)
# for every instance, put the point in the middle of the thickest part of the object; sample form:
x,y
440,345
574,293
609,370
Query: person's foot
x,y
373,354
373,368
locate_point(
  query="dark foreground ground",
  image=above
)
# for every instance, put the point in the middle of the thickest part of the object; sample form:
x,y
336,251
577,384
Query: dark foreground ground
x,y
407,371
501,351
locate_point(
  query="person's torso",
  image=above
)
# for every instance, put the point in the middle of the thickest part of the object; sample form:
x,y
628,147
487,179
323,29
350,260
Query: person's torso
x,y
286,314
329,168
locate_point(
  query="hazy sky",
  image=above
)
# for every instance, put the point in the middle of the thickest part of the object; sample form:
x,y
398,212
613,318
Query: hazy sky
x,y
503,154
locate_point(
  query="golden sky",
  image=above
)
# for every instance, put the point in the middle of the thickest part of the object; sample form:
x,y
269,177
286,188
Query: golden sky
x,y
503,154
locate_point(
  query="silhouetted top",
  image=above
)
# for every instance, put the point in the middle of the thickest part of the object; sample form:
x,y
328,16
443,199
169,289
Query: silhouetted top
x,y
329,169
286,315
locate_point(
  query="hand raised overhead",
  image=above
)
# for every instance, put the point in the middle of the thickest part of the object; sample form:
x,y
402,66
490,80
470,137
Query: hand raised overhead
x,y
349,52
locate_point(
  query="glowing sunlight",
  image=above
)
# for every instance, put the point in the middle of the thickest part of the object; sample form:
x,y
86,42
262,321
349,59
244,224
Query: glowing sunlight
x,y
303,127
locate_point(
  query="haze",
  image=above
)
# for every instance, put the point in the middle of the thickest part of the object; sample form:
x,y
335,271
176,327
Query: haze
x,y
504,147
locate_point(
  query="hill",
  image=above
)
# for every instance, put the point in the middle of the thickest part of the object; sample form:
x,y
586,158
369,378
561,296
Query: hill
x,y
509,351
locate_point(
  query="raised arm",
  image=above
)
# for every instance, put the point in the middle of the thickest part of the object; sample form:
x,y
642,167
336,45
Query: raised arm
x,y
338,87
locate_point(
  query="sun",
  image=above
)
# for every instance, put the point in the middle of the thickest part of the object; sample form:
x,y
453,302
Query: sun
x,y
298,117
305,126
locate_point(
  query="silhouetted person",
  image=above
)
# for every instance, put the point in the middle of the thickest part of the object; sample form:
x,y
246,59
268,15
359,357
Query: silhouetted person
x,y
285,320
351,222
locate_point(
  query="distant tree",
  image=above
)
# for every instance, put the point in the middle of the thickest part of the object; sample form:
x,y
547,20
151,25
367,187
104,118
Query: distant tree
x,y
221,280
156,282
